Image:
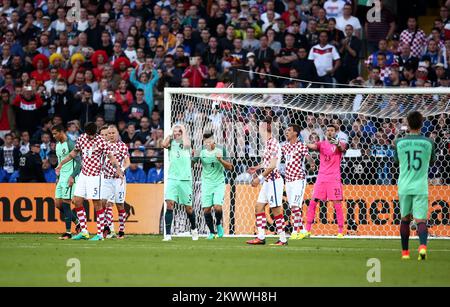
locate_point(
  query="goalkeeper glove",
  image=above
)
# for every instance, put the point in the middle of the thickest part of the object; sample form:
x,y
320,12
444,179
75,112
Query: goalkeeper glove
x,y
334,141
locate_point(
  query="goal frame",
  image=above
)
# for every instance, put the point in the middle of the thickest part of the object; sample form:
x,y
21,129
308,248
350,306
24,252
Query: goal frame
x,y
168,91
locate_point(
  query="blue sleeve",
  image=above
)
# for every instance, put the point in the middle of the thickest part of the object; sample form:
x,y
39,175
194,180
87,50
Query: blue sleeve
x,y
133,80
154,79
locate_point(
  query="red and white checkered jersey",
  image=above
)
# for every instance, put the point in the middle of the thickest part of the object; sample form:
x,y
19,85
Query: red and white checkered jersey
x,y
272,151
417,45
120,152
295,156
93,151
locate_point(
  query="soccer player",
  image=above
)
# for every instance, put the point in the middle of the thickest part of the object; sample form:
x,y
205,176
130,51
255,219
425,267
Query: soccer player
x,y
272,189
414,153
328,186
295,153
214,163
92,148
114,188
65,185
179,185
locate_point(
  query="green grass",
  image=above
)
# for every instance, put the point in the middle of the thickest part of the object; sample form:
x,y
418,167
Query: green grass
x,y
40,260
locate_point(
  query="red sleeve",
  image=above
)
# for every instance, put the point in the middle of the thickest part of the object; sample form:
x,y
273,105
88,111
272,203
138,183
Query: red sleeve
x,y
39,102
16,101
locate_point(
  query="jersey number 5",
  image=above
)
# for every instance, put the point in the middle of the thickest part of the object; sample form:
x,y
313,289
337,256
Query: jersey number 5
x,y
415,157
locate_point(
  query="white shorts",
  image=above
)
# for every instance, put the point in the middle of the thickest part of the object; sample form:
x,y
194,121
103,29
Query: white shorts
x,y
295,190
113,190
88,187
272,193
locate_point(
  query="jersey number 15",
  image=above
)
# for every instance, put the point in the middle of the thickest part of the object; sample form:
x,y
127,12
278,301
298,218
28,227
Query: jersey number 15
x,y
415,157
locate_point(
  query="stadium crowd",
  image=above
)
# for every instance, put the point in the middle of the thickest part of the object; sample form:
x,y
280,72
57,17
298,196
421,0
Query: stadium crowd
x,y
110,63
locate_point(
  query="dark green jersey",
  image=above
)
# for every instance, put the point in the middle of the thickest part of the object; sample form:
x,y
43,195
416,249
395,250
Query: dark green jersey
x,y
414,153
179,161
213,172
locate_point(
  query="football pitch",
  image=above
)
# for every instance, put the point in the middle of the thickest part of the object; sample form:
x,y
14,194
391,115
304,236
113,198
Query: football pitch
x,y
42,260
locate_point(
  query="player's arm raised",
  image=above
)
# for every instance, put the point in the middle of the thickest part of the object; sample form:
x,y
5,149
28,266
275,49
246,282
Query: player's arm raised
x,y
221,157
166,142
313,146
186,140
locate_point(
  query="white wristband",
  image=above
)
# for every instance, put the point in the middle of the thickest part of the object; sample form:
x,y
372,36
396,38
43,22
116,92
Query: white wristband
x,y
261,178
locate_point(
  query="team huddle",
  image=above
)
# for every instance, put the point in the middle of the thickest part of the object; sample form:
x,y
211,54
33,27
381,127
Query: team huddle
x,y
413,153
91,169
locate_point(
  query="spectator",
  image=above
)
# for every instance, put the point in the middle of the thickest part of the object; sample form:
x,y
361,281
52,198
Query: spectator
x,y
9,158
414,36
146,85
372,60
7,116
334,8
30,169
144,133
28,109
287,55
134,174
156,174
264,51
73,130
49,171
348,19
350,51
406,59
326,59
196,72
24,142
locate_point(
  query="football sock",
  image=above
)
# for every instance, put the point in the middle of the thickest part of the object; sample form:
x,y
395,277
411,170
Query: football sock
x,y
218,215
168,219
67,216
339,216
404,234
81,214
192,220
279,221
100,221
261,222
209,222
122,217
296,212
422,231
108,216
310,214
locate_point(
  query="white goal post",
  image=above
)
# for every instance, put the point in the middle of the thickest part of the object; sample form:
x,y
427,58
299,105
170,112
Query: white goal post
x,y
369,120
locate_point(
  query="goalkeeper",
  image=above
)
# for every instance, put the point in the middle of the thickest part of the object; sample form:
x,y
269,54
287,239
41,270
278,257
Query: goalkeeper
x,y
414,153
214,163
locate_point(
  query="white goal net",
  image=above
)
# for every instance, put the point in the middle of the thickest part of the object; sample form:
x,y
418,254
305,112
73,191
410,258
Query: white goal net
x,y
369,121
